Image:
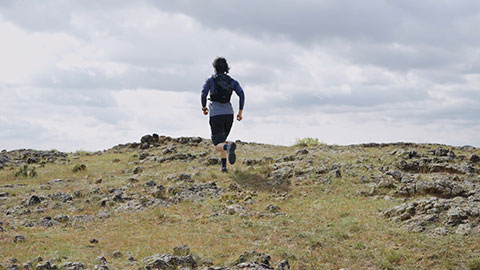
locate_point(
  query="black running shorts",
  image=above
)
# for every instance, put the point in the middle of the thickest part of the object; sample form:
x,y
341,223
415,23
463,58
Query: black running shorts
x,y
220,126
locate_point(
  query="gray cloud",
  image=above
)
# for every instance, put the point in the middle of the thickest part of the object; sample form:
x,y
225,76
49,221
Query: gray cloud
x,y
404,63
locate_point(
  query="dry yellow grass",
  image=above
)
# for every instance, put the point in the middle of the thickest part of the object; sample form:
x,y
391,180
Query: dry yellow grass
x,y
328,225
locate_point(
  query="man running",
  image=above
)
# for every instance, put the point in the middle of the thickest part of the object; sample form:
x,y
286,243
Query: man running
x,y
221,87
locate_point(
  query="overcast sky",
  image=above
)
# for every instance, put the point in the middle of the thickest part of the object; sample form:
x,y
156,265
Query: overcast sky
x,y
87,75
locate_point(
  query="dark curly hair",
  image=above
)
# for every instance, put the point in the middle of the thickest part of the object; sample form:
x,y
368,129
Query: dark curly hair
x,y
221,66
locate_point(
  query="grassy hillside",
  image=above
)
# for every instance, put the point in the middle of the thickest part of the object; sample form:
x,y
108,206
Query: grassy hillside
x,y
391,206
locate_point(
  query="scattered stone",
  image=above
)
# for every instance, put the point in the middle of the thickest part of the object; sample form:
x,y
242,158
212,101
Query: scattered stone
x,y
169,262
475,159
301,152
131,259
235,209
150,183
48,222
33,200
19,239
143,155
59,196
3,194
98,181
72,266
187,191
102,260
100,267
284,265
93,241
61,218
160,192
254,257
137,170
464,229
117,254
133,180
45,266
273,209
212,161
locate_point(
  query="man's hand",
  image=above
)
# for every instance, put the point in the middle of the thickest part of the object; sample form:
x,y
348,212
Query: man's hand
x,y
205,110
239,115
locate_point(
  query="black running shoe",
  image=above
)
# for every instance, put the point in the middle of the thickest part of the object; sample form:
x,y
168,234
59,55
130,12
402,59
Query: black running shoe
x,y
231,153
224,169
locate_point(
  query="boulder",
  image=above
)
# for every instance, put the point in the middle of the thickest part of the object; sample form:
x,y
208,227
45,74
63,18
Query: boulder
x,y
169,262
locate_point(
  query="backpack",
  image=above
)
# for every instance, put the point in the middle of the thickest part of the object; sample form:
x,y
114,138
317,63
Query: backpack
x,y
223,89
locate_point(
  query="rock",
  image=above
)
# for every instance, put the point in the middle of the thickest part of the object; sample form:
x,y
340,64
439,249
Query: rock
x,y
48,222
181,251
133,180
169,262
440,231
301,152
19,239
143,156
475,159
93,241
212,161
252,266
410,154
234,209
273,209
442,152
102,260
455,216
150,183
282,173
464,229
137,170
59,196
283,265
100,267
131,259
160,192
45,266
187,191
33,200
254,256
72,266
61,218
148,139
3,194
2,229
117,254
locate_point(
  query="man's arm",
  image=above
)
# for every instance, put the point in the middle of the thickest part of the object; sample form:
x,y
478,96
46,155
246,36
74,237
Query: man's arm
x,y
241,102
203,98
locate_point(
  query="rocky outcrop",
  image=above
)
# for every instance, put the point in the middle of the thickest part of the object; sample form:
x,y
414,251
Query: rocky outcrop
x,y
27,156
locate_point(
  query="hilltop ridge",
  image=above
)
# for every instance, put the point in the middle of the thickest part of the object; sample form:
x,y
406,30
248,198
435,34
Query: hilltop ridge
x,y
163,203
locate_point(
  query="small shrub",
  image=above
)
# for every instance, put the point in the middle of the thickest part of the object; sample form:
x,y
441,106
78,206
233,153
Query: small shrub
x,y
26,172
79,167
308,141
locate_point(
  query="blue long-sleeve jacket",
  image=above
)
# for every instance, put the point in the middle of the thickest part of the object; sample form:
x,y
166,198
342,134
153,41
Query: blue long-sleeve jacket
x,y
217,108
